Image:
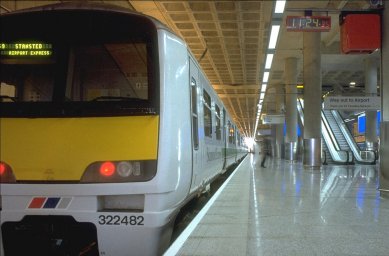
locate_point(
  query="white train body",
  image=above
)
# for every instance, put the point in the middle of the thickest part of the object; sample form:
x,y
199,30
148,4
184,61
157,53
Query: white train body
x,y
116,217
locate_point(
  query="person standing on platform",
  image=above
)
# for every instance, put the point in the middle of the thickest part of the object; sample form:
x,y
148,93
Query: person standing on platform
x,y
264,153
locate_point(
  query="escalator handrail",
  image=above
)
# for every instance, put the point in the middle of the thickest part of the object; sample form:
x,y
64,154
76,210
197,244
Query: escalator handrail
x,y
323,152
329,131
372,162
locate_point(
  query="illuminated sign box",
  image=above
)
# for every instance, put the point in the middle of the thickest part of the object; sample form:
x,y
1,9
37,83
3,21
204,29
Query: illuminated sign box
x,y
264,132
273,119
308,23
25,49
352,102
360,33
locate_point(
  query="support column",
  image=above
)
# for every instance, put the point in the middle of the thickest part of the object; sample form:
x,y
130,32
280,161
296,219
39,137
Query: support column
x,y
371,90
291,109
384,134
312,99
279,127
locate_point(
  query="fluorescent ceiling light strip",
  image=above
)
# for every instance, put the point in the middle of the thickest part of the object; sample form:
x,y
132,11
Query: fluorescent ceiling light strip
x,y
263,89
269,60
280,6
275,29
265,76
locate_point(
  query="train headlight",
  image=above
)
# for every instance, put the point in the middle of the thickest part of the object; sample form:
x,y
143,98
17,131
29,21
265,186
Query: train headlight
x,y
124,169
6,173
120,171
136,169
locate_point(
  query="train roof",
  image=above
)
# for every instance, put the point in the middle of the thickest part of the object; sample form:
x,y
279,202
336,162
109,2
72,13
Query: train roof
x,y
87,6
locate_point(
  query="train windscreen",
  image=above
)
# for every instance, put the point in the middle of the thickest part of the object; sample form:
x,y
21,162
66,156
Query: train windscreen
x,y
90,69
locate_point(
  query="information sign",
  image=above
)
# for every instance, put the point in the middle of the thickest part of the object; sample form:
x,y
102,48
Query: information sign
x,y
25,49
273,119
352,103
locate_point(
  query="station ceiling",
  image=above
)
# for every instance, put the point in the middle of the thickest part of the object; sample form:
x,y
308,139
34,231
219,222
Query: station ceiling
x,y
230,40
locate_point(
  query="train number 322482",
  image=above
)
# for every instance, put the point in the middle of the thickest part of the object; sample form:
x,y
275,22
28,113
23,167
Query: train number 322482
x,y
121,220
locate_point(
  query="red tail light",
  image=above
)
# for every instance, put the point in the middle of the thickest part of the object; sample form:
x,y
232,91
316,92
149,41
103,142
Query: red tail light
x,y
6,173
107,169
2,168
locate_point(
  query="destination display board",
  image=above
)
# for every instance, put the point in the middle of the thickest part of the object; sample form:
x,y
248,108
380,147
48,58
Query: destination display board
x,y
308,23
25,49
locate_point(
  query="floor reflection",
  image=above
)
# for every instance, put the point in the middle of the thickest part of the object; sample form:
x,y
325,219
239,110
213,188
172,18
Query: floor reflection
x,y
332,210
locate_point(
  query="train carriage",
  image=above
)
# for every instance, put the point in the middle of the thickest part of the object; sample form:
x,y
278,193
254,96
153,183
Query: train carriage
x,y
108,127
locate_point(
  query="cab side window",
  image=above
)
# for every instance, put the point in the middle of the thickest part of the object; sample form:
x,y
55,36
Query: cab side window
x,y
207,114
195,125
218,123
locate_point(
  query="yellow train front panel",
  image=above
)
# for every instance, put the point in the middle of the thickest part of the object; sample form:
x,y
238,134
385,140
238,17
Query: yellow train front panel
x,y
60,149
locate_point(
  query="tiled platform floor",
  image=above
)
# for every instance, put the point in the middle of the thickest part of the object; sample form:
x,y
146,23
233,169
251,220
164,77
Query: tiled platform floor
x,y
284,209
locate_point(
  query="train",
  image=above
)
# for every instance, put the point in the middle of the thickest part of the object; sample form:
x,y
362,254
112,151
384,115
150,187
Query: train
x,y
108,128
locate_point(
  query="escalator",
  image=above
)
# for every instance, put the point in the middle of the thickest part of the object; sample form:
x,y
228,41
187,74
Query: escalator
x,y
346,140
336,130
339,146
332,151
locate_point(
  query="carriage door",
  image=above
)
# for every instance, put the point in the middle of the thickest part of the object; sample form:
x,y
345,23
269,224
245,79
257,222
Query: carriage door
x,y
196,154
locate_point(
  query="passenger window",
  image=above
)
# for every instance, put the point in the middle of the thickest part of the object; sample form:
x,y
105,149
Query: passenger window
x,y
194,114
230,133
218,123
234,135
207,114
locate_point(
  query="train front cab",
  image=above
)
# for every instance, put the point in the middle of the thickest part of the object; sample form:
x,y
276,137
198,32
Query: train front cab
x,y
80,134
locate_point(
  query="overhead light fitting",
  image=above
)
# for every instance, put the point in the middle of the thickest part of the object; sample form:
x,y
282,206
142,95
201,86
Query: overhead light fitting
x,y
275,29
263,89
269,60
265,76
280,6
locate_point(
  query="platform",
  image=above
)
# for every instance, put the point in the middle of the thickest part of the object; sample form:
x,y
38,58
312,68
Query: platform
x,y
284,209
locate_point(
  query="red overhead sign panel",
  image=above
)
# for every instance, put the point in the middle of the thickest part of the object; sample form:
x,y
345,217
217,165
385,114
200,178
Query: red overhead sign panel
x,y
308,23
360,32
